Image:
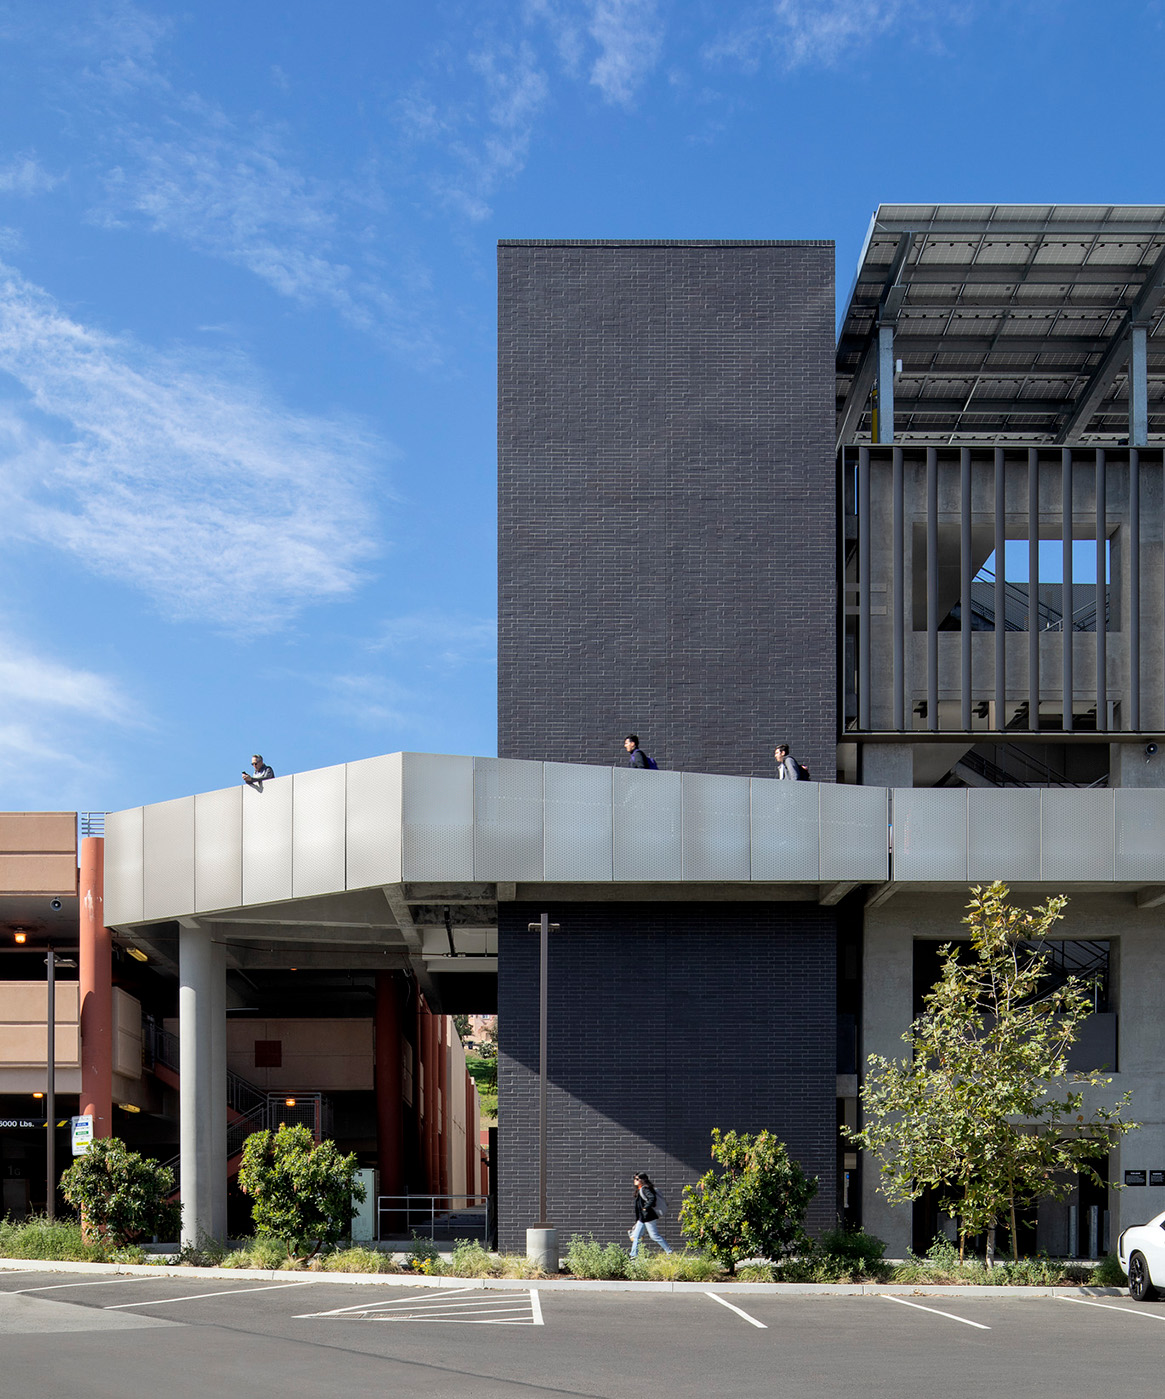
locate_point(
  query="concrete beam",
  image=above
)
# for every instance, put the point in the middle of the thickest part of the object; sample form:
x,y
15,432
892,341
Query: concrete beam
x,y
1151,897
831,894
882,895
394,895
317,959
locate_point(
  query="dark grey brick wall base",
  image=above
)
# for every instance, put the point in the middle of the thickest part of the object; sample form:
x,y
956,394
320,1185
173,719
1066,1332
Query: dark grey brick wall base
x,y
665,1021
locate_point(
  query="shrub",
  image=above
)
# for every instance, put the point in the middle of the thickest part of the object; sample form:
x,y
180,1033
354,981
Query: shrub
x,y
300,1192
357,1260
268,1253
123,1196
37,1236
587,1258
754,1207
206,1253
1108,1272
472,1260
683,1266
517,1265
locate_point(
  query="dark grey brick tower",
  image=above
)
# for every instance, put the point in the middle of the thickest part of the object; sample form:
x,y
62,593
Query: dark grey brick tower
x,y
667,543
667,564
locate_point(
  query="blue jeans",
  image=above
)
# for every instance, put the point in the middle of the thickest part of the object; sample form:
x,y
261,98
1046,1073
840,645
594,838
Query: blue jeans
x,y
652,1233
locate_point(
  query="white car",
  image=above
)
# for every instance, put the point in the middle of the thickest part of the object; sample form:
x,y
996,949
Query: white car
x,y
1141,1250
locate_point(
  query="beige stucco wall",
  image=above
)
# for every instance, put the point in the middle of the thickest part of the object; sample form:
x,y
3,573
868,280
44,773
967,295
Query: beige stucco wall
x,y
318,1055
38,852
23,1046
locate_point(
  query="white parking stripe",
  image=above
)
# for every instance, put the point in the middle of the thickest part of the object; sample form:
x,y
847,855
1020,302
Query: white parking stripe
x,y
752,1321
1112,1307
200,1296
56,1286
468,1305
950,1316
364,1306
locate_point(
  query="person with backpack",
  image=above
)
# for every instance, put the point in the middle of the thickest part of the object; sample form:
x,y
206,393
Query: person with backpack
x,y
650,1207
637,757
788,767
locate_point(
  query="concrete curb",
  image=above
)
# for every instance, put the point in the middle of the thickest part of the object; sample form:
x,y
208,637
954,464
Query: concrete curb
x,y
734,1289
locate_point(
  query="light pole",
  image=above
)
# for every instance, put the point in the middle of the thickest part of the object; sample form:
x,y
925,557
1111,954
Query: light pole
x,y
542,1238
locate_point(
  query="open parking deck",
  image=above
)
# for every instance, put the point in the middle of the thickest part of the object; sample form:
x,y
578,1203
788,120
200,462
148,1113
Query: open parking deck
x,y
136,1335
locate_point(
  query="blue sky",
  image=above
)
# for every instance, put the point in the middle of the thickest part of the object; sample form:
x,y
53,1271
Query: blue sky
x,y
247,313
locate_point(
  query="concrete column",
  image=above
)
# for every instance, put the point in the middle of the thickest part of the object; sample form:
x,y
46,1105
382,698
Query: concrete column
x,y
389,1099
96,991
1138,386
201,1050
1130,765
1142,1045
471,1134
887,1005
429,1059
218,1089
445,1117
886,383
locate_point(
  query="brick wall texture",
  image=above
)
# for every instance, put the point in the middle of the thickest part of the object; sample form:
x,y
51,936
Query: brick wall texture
x,y
666,502
664,1022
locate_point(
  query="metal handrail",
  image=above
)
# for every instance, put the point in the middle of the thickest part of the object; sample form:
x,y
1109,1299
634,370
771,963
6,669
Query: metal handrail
x,y
419,1210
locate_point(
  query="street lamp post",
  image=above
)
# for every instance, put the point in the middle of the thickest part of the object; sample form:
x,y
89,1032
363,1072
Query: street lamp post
x,y
542,1238
51,1094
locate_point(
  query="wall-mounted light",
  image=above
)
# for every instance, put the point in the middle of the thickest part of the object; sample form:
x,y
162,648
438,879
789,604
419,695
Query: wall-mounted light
x,y
289,1102
38,1095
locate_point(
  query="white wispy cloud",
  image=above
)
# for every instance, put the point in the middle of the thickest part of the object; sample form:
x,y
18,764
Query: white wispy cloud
x,y
435,639
803,33
616,44
486,133
629,35
189,483
41,747
25,176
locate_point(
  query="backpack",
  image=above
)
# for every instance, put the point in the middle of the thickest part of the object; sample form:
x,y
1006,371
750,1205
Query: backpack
x,y
650,761
802,772
660,1204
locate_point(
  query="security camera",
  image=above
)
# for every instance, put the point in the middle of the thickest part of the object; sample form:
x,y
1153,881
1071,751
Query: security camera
x,y
1150,750
55,904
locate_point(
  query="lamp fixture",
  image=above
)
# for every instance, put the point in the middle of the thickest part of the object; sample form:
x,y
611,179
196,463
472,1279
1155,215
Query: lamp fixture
x,y
128,1107
38,1095
289,1102
137,954
19,936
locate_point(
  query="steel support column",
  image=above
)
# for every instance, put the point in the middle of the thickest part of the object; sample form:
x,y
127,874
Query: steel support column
x,y
864,588
1138,386
1067,683
965,587
1000,591
1134,623
96,991
932,617
1101,591
899,594
1033,588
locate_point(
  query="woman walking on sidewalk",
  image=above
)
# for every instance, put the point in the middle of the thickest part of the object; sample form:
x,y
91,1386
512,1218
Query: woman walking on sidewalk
x,y
648,1210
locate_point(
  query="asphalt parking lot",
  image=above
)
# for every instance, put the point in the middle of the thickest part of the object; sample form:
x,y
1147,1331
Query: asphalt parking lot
x,y
64,1336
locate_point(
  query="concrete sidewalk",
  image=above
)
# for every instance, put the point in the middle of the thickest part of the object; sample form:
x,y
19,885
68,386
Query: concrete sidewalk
x,y
560,1284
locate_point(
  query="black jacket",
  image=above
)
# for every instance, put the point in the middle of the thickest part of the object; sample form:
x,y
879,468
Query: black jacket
x,y
645,1204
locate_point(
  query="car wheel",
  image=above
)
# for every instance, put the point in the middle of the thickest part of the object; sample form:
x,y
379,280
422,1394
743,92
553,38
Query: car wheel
x,y
1141,1287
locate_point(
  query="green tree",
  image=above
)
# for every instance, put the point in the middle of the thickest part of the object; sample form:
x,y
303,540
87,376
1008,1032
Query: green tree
x,y
300,1192
462,1026
984,1110
121,1195
754,1207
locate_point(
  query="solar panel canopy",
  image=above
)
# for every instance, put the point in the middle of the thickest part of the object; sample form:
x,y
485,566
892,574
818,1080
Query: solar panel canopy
x,y
1012,322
